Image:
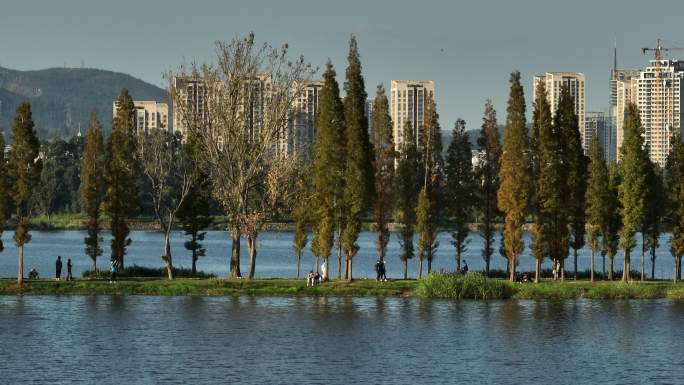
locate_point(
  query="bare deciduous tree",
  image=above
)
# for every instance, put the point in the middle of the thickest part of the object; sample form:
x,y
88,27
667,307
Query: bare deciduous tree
x,y
170,174
247,97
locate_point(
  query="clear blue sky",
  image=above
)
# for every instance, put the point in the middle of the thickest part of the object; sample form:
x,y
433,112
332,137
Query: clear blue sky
x,y
467,48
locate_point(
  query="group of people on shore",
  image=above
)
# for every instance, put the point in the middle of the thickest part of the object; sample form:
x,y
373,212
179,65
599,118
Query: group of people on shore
x,y
58,269
380,270
113,270
313,278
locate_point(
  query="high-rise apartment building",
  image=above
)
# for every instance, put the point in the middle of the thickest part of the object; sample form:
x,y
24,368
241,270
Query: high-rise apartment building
x,y
660,105
368,110
554,83
599,125
149,115
193,96
300,134
408,101
625,93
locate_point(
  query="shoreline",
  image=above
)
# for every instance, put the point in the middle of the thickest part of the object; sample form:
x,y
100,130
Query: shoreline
x,y
359,288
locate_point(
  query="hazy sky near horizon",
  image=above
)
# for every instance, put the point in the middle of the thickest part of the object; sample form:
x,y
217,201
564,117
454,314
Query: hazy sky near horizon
x,y
468,48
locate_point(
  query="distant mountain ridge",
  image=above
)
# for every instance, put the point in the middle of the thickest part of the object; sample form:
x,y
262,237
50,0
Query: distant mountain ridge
x,y
61,98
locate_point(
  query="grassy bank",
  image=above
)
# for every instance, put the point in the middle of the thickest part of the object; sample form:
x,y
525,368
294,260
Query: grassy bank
x,y
448,286
144,286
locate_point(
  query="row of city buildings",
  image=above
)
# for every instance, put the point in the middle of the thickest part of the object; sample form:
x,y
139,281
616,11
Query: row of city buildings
x,y
655,90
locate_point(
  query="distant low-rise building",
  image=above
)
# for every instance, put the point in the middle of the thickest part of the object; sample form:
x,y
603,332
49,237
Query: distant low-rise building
x,y
149,115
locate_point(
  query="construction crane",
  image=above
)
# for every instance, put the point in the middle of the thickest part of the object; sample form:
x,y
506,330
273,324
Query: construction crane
x,y
660,130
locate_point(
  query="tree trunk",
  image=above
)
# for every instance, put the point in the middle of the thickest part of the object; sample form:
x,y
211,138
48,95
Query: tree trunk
x,y
251,249
593,253
327,270
511,268
653,259
575,262
235,256
95,265
562,270
167,254
679,267
458,259
420,268
675,276
643,252
626,267
537,270
406,268
299,260
194,263
339,258
603,266
610,267
429,265
20,273
348,268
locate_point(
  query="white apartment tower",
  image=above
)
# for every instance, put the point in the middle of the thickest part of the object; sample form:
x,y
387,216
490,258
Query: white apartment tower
x,y
149,115
408,102
625,93
301,131
660,105
193,95
554,82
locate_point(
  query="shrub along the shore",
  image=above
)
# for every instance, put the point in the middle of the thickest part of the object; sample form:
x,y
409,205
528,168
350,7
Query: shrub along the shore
x,y
463,286
136,271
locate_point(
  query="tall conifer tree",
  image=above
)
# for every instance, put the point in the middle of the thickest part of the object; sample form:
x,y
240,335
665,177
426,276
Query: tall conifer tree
x,y
327,166
610,229
407,185
633,170
358,166
544,174
675,192
597,198
428,210
653,216
576,164
487,174
384,154
121,199
93,187
460,188
514,190
24,167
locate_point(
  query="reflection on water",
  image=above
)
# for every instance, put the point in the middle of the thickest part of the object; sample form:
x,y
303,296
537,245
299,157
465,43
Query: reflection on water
x,y
263,340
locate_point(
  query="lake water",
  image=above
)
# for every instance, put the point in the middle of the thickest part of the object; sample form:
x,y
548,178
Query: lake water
x,y
292,340
275,256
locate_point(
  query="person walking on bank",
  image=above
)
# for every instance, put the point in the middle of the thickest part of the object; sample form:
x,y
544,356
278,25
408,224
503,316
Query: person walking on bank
x,y
114,268
58,268
69,277
383,271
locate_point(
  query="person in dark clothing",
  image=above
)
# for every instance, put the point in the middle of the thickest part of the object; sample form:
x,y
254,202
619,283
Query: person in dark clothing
x,y
58,268
383,271
378,270
114,268
69,277
465,266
